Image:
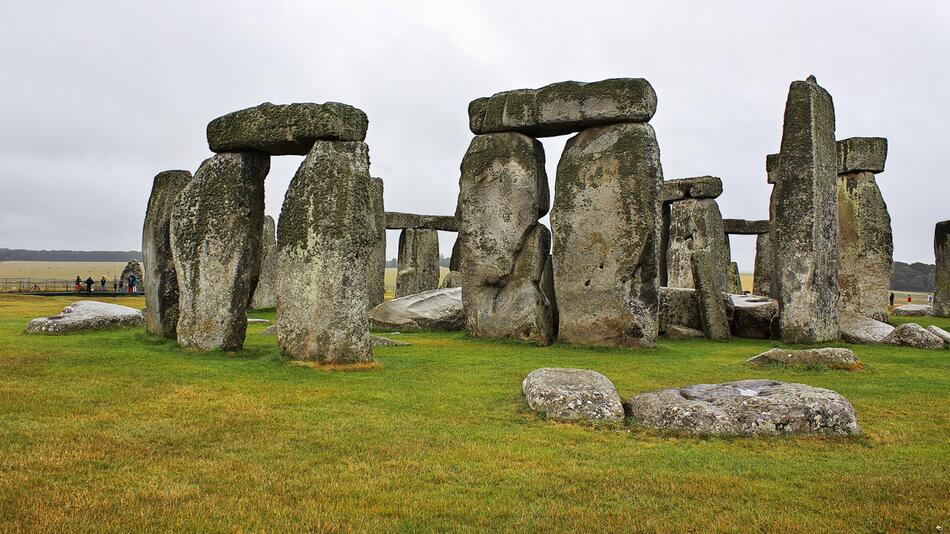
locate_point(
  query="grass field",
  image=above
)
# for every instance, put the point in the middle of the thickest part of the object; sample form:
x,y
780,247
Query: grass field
x,y
118,431
61,270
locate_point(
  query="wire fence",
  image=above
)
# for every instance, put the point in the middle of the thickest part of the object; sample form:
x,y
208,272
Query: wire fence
x,y
50,285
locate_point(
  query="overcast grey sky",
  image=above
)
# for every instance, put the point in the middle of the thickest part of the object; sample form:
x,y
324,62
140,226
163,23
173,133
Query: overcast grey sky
x,y
97,97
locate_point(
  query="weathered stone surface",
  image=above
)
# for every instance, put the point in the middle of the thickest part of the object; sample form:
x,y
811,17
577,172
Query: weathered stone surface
x,y
712,309
547,287
746,408
856,328
379,341
941,333
803,240
503,190
399,221
564,107
752,316
376,266
265,293
451,279
161,284
572,395
762,273
438,309
132,268
84,316
418,263
216,244
941,306
695,187
605,232
914,335
834,358
678,332
286,129
733,279
745,227
862,154
914,310
771,168
455,262
326,232
865,246
694,224
679,306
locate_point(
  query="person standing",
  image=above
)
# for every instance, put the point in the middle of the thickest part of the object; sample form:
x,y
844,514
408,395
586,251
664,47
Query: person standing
x,y
132,281
890,299
102,284
115,288
78,284
909,299
89,283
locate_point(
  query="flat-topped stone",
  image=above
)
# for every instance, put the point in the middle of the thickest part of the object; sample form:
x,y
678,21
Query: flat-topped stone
x,y
833,357
564,107
914,310
286,128
679,332
400,221
86,315
857,154
856,328
438,309
752,315
745,227
694,187
572,394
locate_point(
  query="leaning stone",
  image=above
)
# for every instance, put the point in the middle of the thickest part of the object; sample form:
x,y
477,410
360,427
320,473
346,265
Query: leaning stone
x,y
856,328
762,273
694,224
400,221
216,243
862,154
572,395
914,335
161,283
679,306
451,279
265,294
752,316
379,341
712,310
605,234
503,190
286,129
745,227
418,261
914,310
85,316
804,242
695,187
834,358
677,332
439,309
376,265
327,229
564,107
941,333
941,306
746,408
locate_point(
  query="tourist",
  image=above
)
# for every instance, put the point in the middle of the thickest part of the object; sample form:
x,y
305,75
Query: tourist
x,y
78,284
132,281
120,285
891,298
89,283
909,300
102,284
930,298
115,287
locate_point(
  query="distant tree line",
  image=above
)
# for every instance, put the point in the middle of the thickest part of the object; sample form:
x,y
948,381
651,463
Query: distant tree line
x,y
18,254
443,261
912,277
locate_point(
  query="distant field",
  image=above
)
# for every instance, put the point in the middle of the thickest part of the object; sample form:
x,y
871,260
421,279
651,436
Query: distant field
x,y
61,270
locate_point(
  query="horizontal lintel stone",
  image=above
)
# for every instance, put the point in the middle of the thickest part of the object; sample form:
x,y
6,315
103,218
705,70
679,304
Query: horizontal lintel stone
x,y
745,227
399,221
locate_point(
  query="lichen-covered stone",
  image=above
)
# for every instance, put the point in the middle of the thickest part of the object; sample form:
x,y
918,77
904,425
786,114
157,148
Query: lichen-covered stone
x,y
745,227
862,154
161,283
564,107
438,309
832,357
677,332
805,238
712,309
914,310
606,236
733,279
376,266
679,306
695,187
451,279
694,224
762,273
216,244
856,328
265,293
398,221
325,234
941,333
286,129
85,316
418,260
751,316
771,168
573,395
941,305
913,335
547,287
503,190
455,262
132,268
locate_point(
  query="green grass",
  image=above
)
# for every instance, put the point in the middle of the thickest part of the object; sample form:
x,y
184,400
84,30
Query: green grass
x,y
118,431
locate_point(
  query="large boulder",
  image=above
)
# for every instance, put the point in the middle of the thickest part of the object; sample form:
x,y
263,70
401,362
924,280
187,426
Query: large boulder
x,y
752,316
161,283
914,310
327,229
573,395
418,261
265,293
286,129
807,274
564,107
861,154
856,328
132,268
438,309
941,307
84,316
694,224
677,332
400,221
376,266
746,408
835,358
605,229
913,335
503,190
216,244
712,309
941,333
695,187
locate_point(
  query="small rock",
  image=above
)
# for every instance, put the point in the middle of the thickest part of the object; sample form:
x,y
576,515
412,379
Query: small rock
x,y
914,310
572,394
835,358
253,320
270,330
86,315
379,341
677,332
914,335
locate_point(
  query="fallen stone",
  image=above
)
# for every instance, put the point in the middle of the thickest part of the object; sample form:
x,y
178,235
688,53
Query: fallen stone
x,y
695,187
379,341
400,221
752,316
573,395
914,310
712,309
85,316
941,333
451,279
286,129
679,306
914,335
746,408
834,358
254,320
376,265
862,154
418,261
678,332
745,227
438,309
694,224
265,293
941,306
161,284
564,107
270,330
856,328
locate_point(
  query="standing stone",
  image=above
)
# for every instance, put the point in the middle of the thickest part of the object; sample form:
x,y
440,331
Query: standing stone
x,y
942,275
216,243
762,275
455,262
805,238
694,224
327,229
376,267
605,236
547,287
132,268
265,294
503,191
733,279
712,308
418,261
161,281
